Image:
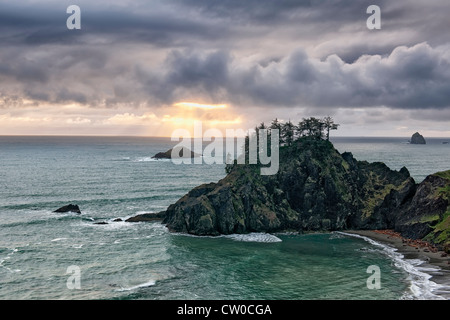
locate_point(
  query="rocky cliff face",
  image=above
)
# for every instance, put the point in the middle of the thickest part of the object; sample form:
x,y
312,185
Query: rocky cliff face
x,y
316,188
427,215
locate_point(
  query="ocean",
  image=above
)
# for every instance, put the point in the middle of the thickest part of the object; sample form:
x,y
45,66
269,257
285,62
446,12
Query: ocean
x,y
48,255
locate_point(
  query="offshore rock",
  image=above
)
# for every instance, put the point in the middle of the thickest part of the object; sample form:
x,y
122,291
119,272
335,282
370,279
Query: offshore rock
x,y
182,153
69,208
417,138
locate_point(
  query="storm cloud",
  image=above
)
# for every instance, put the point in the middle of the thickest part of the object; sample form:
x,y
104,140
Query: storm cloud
x,y
315,54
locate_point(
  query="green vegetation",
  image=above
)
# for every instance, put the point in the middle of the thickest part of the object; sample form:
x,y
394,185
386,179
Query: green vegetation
x,y
441,223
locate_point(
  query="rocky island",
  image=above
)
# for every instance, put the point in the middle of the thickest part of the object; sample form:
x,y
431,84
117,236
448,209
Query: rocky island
x,y
417,138
182,152
316,189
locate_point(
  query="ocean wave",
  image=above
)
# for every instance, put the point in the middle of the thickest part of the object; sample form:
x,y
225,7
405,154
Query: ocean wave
x,y
149,159
122,159
421,287
7,258
139,286
254,237
37,217
246,237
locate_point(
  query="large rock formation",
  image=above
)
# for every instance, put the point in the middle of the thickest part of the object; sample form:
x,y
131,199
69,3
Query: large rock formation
x,y
316,188
417,138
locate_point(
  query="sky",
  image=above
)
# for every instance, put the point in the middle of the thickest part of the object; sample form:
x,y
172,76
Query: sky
x,y
148,67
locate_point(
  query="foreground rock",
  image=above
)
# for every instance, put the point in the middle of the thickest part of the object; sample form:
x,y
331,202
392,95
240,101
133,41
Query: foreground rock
x,y
69,208
182,152
315,189
417,138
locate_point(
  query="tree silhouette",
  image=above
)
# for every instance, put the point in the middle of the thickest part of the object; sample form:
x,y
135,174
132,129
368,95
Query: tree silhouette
x,y
329,124
288,132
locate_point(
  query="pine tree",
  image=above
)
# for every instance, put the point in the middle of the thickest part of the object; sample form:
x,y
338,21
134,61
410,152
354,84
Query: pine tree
x,y
288,132
329,125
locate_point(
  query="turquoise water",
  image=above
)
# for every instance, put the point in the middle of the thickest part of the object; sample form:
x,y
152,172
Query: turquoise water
x,y
113,178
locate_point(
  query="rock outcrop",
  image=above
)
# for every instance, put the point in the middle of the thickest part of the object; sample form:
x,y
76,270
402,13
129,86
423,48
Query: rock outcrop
x,y
427,215
69,208
146,217
417,138
182,153
315,189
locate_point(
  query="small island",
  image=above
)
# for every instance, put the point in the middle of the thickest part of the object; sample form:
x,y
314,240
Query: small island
x,y
417,138
182,152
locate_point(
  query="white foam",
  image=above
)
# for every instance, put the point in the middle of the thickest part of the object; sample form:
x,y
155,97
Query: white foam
x,y
254,237
142,285
58,239
148,159
8,257
246,237
421,287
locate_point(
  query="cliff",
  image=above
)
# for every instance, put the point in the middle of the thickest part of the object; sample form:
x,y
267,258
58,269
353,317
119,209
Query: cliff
x,y
427,215
315,189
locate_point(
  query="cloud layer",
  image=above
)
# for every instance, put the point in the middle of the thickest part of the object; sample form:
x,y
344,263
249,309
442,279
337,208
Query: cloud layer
x,y
288,55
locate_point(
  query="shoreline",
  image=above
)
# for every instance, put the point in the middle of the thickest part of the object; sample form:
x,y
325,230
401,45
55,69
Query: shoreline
x,y
435,264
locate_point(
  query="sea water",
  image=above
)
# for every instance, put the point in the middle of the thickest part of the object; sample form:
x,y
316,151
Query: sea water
x,y
116,177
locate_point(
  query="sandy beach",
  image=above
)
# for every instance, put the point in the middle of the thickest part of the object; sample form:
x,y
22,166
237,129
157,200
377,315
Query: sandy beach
x,y
435,263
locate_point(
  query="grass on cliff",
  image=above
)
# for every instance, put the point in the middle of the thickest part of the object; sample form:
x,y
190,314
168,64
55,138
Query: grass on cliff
x,y
441,231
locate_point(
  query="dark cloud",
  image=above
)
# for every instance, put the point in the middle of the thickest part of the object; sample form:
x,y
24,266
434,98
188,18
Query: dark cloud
x,y
415,77
285,53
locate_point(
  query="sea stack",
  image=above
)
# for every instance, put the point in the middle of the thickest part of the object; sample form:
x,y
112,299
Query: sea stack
x,y
417,138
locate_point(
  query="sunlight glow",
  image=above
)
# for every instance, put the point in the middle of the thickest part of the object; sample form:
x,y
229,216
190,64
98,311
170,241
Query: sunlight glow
x,y
192,105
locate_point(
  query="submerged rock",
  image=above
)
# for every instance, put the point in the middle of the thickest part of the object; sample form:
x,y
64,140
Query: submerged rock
x,y
417,138
69,208
146,217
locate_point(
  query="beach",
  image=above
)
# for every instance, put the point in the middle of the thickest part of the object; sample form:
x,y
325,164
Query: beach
x,y
433,262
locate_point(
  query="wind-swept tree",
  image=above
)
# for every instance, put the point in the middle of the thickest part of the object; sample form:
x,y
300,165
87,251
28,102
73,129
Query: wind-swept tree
x,y
329,124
